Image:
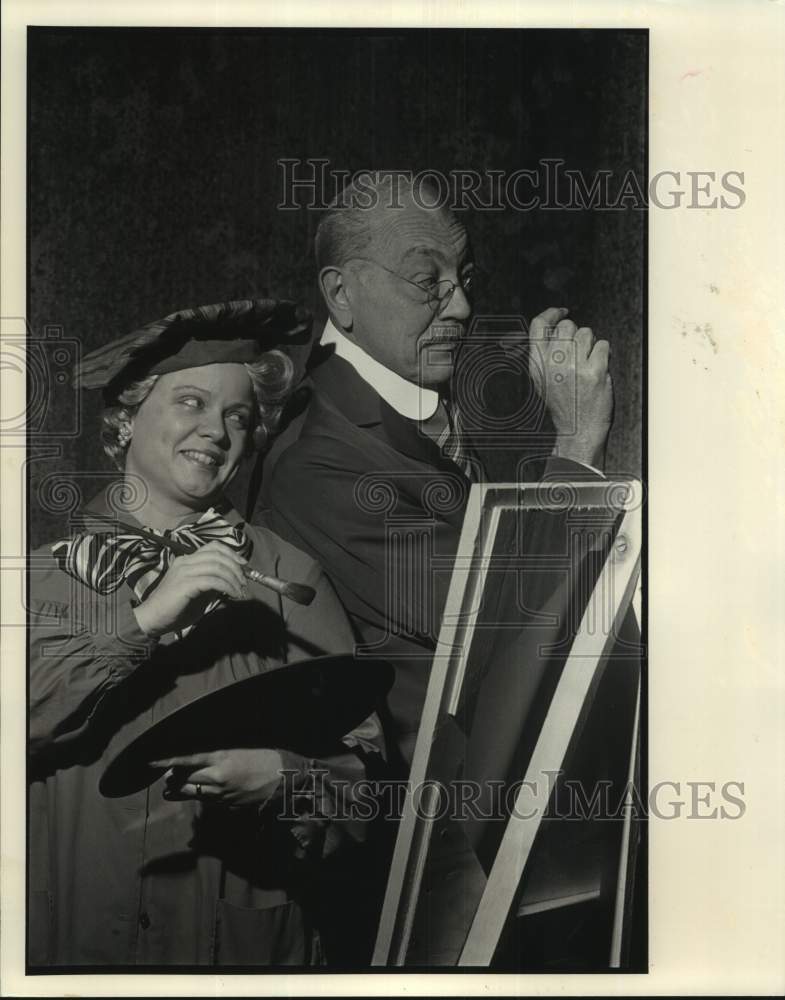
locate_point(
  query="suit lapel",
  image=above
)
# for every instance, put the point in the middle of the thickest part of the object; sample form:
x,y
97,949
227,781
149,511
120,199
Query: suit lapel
x,y
339,389
405,436
353,397
336,381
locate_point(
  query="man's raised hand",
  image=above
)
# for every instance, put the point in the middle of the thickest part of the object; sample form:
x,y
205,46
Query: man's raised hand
x,y
569,369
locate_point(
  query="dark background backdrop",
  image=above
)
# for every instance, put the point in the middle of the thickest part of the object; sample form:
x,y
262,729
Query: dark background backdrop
x,y
153,183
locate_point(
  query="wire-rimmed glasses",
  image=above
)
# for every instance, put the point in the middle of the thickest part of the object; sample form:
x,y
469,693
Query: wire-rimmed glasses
x,y
439,292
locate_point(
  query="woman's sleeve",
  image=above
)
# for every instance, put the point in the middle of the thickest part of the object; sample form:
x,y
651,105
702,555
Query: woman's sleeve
x,y
81,646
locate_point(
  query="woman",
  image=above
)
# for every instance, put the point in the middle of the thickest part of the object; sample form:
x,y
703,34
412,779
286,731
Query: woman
x,y
203,873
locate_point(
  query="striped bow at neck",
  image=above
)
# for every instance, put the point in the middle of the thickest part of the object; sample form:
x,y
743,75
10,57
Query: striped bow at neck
x,y
105,560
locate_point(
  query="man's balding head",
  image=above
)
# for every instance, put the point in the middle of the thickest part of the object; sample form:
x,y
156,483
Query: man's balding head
x,y
381,253
348,225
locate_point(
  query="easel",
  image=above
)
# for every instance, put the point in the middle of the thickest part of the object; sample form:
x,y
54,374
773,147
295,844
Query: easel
x,y
465,928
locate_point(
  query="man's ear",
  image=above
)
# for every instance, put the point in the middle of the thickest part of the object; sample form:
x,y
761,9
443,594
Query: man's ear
x,y
333,288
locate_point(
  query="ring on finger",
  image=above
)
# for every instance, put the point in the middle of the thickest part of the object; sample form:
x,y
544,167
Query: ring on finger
x,y
198,790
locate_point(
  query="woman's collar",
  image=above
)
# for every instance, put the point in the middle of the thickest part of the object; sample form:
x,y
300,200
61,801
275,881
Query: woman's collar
x,y
112,501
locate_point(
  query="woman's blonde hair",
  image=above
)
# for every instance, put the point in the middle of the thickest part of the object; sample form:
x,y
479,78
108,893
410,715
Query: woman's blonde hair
x,y
272,378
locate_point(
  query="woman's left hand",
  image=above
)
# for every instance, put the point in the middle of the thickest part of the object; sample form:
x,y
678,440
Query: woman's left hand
x,y
243,777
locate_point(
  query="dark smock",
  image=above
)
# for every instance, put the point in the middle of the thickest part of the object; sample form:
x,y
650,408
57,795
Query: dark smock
x,y
141,880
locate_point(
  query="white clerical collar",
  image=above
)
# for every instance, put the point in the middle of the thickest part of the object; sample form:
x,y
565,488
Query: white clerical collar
x,y
408,398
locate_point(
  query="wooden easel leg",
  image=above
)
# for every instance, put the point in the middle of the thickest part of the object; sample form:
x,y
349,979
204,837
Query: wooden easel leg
x,y
629,847
619,576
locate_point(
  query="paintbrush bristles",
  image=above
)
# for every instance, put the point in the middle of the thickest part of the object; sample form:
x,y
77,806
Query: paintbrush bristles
x,y
297,592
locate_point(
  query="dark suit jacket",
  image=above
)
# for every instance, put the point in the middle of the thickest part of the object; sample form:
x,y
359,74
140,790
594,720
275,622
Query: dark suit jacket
x,y
372,498
367,494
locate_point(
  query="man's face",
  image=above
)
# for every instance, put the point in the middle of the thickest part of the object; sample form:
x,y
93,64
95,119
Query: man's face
x,y
395,316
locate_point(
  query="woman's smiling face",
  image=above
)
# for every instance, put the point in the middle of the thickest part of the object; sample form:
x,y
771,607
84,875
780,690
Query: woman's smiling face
x,y
190,434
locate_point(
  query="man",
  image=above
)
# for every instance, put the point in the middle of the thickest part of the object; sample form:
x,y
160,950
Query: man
x,y
374,480
375,485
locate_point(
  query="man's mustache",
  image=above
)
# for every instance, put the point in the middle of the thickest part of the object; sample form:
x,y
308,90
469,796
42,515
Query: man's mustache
x,y
445,333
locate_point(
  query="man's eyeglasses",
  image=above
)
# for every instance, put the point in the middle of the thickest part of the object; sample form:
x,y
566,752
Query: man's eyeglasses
x,y
439,292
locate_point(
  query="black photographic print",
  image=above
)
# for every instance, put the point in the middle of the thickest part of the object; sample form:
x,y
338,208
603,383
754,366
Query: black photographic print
x,y
336,496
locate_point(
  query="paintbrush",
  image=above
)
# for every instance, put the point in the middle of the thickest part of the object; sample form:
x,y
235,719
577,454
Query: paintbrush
x,y
300,593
